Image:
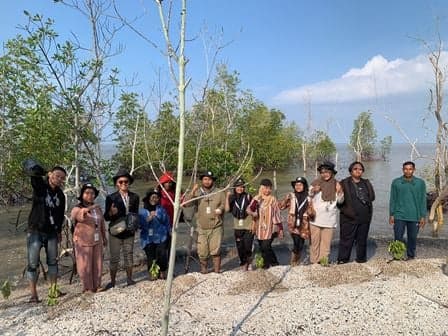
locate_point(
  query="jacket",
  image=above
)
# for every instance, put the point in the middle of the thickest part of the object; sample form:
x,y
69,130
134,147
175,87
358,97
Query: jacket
x,y
346,207
116,199
48,208
206,218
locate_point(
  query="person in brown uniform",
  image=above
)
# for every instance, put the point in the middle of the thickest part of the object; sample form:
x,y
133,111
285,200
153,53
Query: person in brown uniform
x,y
209,208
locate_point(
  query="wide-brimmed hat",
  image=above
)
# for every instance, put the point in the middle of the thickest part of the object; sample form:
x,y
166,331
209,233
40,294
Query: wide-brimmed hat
x,y
239,183
149,193
328,166
123,173
299,180
86,186
207,174
266,182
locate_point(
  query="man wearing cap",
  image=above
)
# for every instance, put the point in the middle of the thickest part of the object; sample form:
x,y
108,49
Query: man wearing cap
x,y
209,205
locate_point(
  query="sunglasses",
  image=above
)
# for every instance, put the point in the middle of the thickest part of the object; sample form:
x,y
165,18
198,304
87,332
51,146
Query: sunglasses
x,y
123,182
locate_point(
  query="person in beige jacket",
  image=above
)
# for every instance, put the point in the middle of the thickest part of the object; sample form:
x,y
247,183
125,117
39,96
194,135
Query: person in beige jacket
x,y
209,206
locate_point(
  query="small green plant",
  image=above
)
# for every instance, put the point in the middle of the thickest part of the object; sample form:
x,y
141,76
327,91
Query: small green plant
x,y
324,261
259,261
6,289
154,271
53,294
397,249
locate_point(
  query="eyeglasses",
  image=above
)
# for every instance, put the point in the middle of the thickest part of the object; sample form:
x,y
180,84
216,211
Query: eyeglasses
x,y
123,182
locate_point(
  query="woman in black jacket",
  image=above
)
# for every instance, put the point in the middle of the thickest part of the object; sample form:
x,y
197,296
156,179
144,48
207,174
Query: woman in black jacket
x,y
118,205
356,214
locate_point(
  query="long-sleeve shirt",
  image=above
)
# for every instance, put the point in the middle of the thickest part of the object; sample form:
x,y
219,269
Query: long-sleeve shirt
x,y
156,230
408,199
89,229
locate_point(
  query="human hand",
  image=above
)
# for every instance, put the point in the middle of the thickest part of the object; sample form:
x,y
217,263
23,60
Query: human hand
x,y
195,188
281,234
391,220
422,223
113,210
338,188
218,211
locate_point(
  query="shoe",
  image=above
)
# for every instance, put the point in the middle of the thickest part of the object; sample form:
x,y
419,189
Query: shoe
x,y
109,286
340,262
131,282
361,261
59,294
34,299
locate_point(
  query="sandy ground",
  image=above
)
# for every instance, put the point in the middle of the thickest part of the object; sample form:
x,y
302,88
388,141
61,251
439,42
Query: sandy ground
x,y
375,298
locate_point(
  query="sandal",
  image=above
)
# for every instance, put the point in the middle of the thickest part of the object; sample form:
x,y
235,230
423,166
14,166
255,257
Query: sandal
x,y
109,286
34,299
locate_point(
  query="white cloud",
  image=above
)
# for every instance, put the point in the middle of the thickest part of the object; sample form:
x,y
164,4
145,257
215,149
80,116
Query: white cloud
x,y
377,78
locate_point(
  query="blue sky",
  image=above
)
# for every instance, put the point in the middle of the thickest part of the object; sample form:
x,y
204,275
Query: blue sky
x,y
337,58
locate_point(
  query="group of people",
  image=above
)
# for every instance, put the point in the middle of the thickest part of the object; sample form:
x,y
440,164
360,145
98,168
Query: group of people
x,y
313,212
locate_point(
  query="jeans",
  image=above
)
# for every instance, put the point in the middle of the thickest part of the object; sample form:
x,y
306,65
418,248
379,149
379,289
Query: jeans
x,y
35,241
412,231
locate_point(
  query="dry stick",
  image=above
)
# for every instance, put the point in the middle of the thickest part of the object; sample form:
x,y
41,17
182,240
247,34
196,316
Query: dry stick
x,y
431,299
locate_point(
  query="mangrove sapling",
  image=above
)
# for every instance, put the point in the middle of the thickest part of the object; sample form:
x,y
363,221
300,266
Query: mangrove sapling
x,y
259,261
53,294
154,271
6,289
324,261
397,249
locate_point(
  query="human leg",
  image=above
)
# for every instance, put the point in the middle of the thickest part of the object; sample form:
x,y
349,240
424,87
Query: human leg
x,y
203,250
84,266
128,255
34,245
325,242
114,251
315,233
347,235
412,229
362,233
215,247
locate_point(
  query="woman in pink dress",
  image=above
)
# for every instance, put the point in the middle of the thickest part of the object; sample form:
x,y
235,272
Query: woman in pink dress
x,y
89,237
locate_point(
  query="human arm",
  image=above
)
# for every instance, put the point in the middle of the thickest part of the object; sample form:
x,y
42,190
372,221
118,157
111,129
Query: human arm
x,y
392,202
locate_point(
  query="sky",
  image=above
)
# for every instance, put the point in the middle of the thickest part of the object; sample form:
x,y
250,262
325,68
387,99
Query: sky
x,y
332,58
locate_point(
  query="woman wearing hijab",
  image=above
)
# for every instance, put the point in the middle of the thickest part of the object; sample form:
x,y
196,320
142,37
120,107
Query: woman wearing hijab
x,y
297,204
267,223
89,237
154,231
237,203
326,193
118,205
167,189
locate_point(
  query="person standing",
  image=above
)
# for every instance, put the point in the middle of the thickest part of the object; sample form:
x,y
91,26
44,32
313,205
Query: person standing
x,y
267,223
297,204
237,203
155,228
118,205
355,214
210,206
89,238
407,207
167,190
326,193
44,222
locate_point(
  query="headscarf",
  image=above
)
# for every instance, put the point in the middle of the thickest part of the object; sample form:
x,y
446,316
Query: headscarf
x,y
328,188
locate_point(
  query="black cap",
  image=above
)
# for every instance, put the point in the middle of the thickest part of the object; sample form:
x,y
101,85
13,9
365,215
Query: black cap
x,y
328,166
300,180
123,173
85,187
266,182
151,192
207,174
239,183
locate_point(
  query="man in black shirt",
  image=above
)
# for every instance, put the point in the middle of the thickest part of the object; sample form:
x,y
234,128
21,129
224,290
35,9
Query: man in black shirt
x,y
45,223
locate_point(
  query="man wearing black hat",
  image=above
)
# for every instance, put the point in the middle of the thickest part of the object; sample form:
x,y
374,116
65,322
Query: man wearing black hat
x,y
118,205
210,204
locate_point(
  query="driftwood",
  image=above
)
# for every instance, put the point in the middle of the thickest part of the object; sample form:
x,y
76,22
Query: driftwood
x,y
436,211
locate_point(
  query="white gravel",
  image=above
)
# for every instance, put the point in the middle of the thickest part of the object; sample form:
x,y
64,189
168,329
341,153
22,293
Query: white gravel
x,y
376,298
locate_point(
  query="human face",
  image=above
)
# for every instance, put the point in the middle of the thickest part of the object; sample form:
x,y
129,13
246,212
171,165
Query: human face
x,y
265,190
239,189
408,171
357,171
123,184
56,178
326,174
298,187
167,185
88,196
207,182
154,199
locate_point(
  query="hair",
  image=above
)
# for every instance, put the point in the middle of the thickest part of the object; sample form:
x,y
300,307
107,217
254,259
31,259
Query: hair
x,y
409,163
58,168
353,164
